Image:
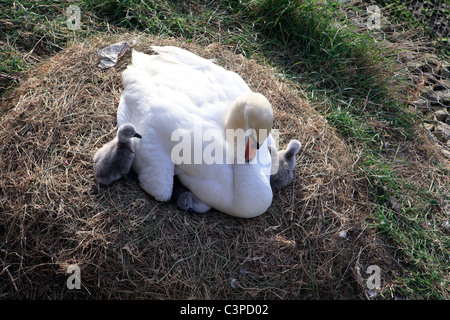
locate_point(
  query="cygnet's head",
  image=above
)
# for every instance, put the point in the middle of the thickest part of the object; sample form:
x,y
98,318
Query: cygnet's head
x,y
288,155
189,202
185,201
127,131
293,148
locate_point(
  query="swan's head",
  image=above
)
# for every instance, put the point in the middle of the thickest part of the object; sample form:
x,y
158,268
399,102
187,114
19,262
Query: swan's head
x,y
251,112
258,116
126,132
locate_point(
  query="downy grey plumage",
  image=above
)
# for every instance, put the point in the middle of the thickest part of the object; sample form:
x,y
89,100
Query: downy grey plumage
x,y
186,200
286,164
114,159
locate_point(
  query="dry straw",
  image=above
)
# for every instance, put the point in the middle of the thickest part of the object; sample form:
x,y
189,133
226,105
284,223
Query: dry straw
x,y
309,244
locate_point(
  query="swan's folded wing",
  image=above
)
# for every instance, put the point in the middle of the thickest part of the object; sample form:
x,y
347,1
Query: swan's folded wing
x,y
152,160
209,86
155,170
182,57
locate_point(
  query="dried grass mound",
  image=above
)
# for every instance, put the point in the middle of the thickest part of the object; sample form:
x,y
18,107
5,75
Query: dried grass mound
x,y
309,244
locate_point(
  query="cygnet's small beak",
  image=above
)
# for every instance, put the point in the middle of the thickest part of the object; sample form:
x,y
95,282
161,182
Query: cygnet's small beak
x,y
137,135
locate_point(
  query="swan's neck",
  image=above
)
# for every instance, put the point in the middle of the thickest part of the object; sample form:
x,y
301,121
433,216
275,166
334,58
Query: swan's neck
x,y
252,192
235,118
235,130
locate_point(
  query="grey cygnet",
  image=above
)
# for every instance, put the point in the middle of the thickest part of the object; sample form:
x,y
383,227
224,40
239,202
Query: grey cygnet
x,y
186,200
114,159
286,164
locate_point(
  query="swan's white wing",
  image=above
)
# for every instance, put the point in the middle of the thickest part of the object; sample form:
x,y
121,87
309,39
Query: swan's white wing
x,y
207,85
152,161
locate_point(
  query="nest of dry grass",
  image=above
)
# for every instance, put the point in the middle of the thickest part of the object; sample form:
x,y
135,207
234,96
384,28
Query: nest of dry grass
x,y
311,242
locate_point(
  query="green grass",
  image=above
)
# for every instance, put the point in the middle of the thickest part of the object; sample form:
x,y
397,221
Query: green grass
x,y
342,70
423,252
414,229
400,13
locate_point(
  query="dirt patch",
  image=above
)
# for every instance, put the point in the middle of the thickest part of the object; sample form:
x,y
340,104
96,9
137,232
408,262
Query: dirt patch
x,y
311,243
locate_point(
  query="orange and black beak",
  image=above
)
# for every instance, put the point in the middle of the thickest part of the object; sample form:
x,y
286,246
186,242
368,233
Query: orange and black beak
x,y
251,148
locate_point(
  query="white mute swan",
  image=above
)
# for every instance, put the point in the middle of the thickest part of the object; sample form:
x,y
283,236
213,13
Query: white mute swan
x,y
114,159
176,98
